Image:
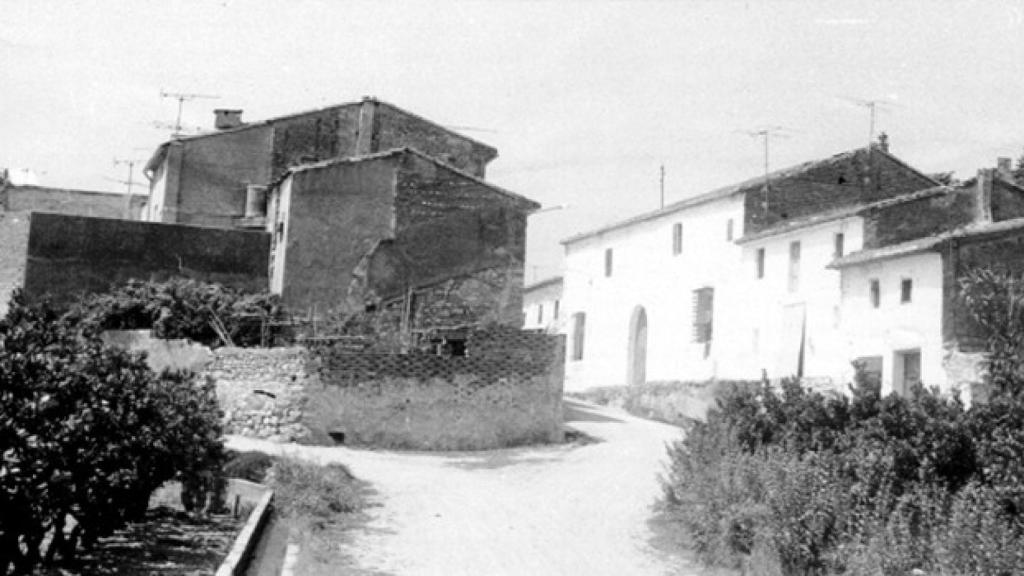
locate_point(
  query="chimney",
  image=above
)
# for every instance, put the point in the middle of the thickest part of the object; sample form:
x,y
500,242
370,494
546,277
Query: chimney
x,y
227,119
1004,168
883,142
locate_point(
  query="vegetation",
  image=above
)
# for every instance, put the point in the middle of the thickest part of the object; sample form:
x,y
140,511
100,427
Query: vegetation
x,y
210,314
788,481
86,434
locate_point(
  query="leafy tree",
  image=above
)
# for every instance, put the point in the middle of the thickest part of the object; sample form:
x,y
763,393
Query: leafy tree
x,y
87,433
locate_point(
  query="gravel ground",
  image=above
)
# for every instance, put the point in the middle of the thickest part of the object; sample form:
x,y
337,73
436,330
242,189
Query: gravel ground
x,y
568,509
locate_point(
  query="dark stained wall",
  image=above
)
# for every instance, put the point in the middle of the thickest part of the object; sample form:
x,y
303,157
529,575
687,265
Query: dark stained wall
x,y
338,214
71,255
394,128
921,218
857,178
1007,201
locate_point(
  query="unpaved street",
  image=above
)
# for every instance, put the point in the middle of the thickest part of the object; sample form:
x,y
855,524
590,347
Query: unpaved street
x,y
567,509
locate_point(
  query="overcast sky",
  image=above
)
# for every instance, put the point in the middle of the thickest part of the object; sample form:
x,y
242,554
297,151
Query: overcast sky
x,y
584,100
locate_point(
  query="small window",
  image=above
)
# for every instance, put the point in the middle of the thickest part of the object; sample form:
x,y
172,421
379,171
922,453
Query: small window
x,y
608,262
728,230
794,266
555,311
876,293
906,290
540,314
579,326
677,238
760,263
837,247
703,314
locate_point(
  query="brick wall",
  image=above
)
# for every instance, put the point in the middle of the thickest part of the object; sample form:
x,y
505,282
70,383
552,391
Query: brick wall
x,y
506,391
394,128
920,218
844,180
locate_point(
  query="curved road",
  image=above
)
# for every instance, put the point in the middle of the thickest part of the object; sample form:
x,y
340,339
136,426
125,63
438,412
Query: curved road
x,y
550,510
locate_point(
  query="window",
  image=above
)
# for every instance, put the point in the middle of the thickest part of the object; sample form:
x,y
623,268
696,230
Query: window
x,y
794,266
837,245
608,262
555,315
906,290
677,238
703,314
760,262
728,230
876,293
540,314
579,325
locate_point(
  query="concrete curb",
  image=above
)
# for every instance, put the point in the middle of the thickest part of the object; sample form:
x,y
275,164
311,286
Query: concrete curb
x,y
244,544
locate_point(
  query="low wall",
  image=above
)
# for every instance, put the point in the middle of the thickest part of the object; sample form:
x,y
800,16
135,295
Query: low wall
x,y
507,390
263,391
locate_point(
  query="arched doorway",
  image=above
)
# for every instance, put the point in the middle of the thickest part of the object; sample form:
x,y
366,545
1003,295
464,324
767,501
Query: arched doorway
x,y
636,372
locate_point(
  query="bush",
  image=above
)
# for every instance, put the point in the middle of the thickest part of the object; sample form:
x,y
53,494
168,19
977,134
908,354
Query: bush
x,y
210,314
311,490
86,434
251,466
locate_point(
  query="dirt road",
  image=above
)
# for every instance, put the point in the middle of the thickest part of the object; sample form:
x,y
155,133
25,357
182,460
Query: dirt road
x,y
551,510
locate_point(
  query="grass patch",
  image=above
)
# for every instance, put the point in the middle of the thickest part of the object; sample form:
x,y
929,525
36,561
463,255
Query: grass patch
x,y
672,402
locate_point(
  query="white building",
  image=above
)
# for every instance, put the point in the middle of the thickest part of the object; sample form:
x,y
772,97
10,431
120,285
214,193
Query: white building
x,y
542,306
838,260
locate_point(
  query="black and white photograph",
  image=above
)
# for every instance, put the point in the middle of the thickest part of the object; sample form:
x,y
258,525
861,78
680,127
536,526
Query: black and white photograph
x,y
512,288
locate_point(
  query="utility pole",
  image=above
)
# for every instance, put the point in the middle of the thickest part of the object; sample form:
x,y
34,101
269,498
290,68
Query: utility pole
x,y
130,183
182,97
662,186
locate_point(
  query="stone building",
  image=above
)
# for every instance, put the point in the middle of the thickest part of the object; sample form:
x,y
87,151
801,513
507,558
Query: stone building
x,y
206,179
770,277
366,204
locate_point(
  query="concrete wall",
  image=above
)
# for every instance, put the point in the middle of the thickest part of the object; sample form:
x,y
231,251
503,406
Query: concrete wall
x,y
72,255
895,326
647,274
74,202
507,390
14,228
336,215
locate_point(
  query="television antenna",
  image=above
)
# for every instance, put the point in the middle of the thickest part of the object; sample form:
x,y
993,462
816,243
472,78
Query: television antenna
x,y
874,107
766,133
183,97
130,183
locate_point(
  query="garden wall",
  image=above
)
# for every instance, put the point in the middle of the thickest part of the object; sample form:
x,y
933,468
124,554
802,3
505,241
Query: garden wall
x,y
507,390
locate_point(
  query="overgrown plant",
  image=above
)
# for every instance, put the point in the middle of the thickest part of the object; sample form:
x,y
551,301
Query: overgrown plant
x,y
87,433
207,313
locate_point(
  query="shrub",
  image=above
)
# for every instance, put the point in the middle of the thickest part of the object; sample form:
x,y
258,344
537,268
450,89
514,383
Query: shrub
x,y
86,434
304,489
210,314
251,466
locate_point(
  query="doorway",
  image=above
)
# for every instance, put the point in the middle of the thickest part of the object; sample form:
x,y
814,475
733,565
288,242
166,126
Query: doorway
x,y
637,369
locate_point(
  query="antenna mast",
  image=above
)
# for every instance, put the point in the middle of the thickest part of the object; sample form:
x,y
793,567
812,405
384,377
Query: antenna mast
x,y
766,134
662,186
130,183
182,97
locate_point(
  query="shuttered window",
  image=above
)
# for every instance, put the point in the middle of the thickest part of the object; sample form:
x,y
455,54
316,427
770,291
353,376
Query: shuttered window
x,y
703,314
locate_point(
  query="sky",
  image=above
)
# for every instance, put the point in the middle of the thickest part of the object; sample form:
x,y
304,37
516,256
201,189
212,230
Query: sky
x,y
585,101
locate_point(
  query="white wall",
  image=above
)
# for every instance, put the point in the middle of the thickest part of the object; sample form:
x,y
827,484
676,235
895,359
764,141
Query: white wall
x,y
646,273
539,309
896,326
771,312
157,196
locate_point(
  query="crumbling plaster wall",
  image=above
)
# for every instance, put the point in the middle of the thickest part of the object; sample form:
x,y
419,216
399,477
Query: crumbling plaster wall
x,y
338,214
394,128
